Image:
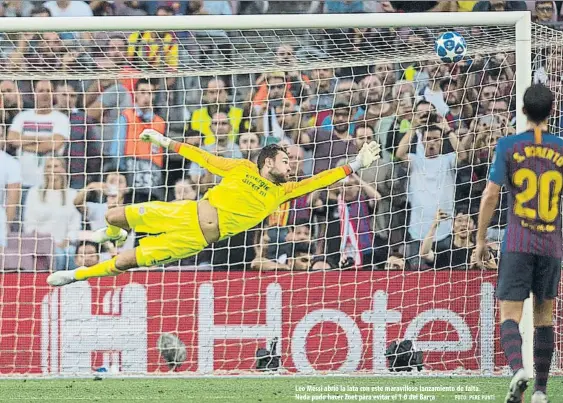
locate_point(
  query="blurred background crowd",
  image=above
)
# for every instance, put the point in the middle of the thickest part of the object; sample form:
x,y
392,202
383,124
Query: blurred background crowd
x,y
69,149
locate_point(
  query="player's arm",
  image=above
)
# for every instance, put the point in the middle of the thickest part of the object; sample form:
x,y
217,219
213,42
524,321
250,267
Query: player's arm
x,y
367,155
490,197
214,164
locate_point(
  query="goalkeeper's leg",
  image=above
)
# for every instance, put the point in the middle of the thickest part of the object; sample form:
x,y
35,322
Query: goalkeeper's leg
x,y
116,229
180,236
152,251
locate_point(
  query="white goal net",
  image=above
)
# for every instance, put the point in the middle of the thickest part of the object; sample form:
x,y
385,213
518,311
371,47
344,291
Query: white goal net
x,y
333,277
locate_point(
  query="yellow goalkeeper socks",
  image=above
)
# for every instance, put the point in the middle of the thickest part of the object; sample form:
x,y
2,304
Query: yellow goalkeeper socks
x,y
103,269
112,231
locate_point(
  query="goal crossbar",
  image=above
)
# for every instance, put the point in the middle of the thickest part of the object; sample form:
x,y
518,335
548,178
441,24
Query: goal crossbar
x,y
270,21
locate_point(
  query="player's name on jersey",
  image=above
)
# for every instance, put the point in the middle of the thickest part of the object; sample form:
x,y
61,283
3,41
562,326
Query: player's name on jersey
x,y
538,227
539,152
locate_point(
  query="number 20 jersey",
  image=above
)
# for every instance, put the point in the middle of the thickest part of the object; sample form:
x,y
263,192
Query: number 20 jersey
x,y
530,165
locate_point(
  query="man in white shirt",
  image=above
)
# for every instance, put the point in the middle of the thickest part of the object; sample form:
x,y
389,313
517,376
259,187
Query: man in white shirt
x,y
38,134
67,8
432,181
10,190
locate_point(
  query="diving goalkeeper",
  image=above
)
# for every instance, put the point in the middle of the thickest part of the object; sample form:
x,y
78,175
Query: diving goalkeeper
x,y
247,194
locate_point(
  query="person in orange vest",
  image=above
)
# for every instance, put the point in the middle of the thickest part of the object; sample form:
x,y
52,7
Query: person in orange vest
x,y
142,163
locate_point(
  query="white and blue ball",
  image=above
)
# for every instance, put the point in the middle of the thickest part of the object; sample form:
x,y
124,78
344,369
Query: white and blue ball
x,y
450,47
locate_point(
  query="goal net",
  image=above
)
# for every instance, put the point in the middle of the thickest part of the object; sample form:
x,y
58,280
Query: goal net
x,y
331,279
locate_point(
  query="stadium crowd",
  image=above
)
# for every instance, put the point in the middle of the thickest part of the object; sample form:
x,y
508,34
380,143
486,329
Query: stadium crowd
x,y
69,149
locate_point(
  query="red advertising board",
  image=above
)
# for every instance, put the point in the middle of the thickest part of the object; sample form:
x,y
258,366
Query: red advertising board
x,y
324,320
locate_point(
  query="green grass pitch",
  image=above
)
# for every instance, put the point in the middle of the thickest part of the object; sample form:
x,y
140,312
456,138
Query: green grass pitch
x,y
273,389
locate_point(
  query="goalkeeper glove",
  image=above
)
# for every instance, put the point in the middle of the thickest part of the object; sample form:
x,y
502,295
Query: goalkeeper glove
x,y
367,156
152,136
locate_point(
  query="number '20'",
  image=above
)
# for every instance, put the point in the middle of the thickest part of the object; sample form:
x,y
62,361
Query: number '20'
x,y
547,188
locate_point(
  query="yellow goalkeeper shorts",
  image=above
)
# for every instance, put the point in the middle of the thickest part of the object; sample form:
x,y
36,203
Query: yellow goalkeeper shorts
x,y
176,228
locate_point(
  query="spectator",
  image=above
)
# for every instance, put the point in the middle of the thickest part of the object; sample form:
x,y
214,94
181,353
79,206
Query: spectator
x,y
17,8
347,92
330,146
486,96
154,49
432,92
221,129
343,7
87,254
11,99
363,135
296,7
500,110
220,7
277,95
165,11
375,111
261,261
431,183
177,7
321,100
299,256
404,92
49,210
249,144
97,198
110,99
300,231
287,128
212,43
41,11
10,192
38,134
296,155
67,8
545,11
356,204
286,243
500,5
84,148
396,262
184,189
297,84
458,112
102,8
453,251
141,161
129,8
215,100
407,6
550,72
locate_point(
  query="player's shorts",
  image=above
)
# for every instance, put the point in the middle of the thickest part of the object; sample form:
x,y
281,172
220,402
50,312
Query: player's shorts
x,y
176,228
520,273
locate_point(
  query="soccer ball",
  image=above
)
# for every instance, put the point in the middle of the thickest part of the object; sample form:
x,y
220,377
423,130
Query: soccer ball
x,y
450,47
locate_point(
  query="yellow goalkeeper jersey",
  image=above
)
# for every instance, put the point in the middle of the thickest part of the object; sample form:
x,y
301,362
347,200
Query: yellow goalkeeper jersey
x,y
243,198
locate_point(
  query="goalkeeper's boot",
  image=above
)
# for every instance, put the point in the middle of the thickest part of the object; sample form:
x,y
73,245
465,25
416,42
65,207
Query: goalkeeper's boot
x,y
539,397
518,386
101,236
62,277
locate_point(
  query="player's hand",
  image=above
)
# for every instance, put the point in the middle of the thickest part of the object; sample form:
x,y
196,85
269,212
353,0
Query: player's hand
x,y
481,254
154,137
369,154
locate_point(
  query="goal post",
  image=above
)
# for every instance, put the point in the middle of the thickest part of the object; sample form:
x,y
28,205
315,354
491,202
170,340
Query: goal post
x,y
331,319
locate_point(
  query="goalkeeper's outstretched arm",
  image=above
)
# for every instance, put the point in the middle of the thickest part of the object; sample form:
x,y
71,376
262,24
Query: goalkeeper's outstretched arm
x,y
214,164
367,155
